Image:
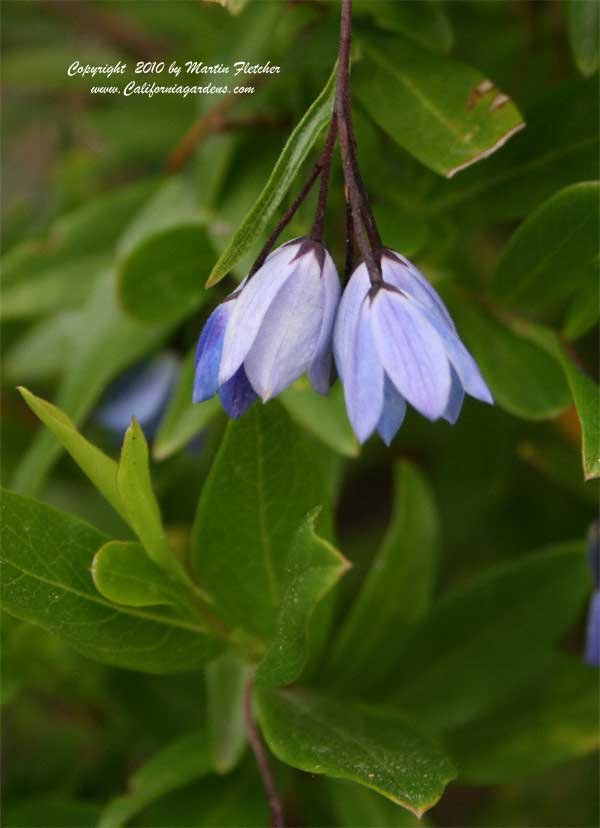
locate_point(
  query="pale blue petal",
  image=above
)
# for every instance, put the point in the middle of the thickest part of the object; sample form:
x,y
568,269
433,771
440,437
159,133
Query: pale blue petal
x,y
394,411
347,317
320,370
285,345
208,353
592,645
457,396
363,376
237,395
407,277
412,353
252,305
466,367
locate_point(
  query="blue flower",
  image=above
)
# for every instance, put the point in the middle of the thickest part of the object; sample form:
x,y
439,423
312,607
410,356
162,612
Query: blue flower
x,y
592,646
274,328
394,344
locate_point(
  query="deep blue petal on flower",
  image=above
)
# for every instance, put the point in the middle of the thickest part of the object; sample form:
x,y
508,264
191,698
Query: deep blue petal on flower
x,y
592,646
456,399
286,342
394,411
320,369
237,395
142,391
412,353
208,353
407,277
252,304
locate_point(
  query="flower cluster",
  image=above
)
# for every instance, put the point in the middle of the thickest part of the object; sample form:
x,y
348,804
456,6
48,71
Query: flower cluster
x,y
394,341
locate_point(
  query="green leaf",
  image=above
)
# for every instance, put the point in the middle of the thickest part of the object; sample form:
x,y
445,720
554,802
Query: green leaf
x,y
269,475
232,6
100,468
397,590
584,311
47,556
138,498
314,568
552,720
124,574
583,26
550,255
423,20
364,744
49,811
161,280
226,680
284,172
358,807
40,352
524,378
585,393
482,641
107,342
179,763
325,417
446,114
183,419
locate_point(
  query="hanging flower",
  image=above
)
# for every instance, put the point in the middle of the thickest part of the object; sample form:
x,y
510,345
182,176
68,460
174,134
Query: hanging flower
x,y
394,344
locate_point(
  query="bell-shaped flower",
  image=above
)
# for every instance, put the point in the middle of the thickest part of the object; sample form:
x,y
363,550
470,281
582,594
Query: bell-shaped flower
x,y
273,329
394,344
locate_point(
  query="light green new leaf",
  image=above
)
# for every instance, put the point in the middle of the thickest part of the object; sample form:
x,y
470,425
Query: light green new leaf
x,y
107,343
178,764
266,477
585,393
551,255
397,589
524,378
183,419
162,279
124,574
100,468
138,498
325,417
423,20
446,114
486,639
551,721
314,567
226,680
46,558
583,26
358,807
372,746
284,172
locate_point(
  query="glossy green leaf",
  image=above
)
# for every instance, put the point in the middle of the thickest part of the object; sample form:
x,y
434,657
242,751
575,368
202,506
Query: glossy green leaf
x,y
325,417
423,20
552,720
358,807
314,567
446,114
585,393
524,378
486,639
266,477
183,420
47,556
583,26
161,280
396,591
107,343
551,255
284,172
138,498
124,574
372,746
100,468
173,767
226,680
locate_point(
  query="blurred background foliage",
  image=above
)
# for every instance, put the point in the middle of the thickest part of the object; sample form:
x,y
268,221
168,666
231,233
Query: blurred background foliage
x,y
114,212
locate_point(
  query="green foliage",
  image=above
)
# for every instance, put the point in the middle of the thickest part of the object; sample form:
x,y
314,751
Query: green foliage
x,y
124,574
226,680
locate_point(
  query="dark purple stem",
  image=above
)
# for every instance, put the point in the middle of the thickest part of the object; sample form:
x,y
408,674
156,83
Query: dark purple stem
x,y
277,817
326,158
